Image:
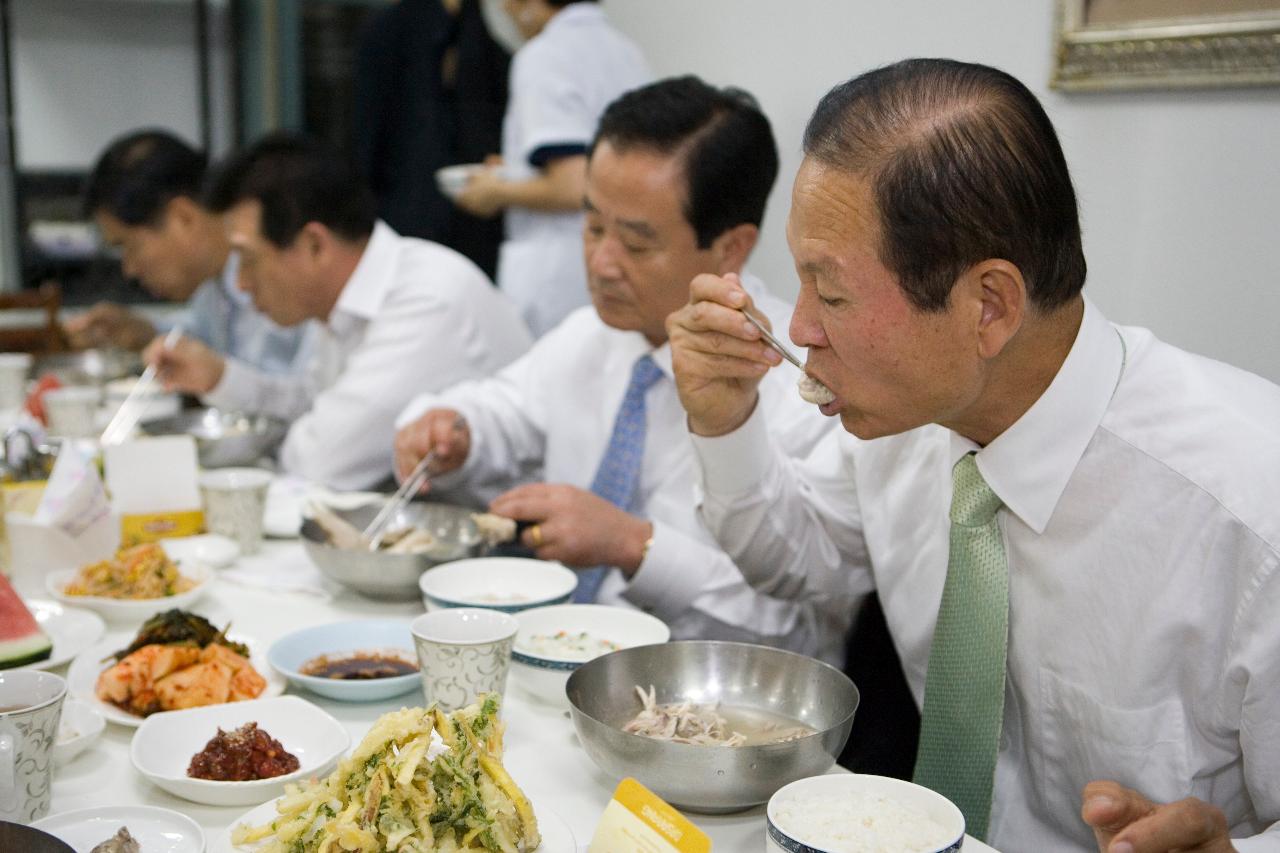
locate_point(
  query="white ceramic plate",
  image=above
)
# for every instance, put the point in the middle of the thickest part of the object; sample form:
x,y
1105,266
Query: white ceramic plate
x,y
72,630
165,743
157,830
80,726
209,549
131,610
557,837
84,671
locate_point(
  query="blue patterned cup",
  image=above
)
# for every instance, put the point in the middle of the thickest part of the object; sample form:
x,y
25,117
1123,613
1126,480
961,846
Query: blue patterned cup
x,y
30,708
463,652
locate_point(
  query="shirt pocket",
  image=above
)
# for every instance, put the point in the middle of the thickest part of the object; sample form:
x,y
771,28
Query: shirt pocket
x,y
1082,739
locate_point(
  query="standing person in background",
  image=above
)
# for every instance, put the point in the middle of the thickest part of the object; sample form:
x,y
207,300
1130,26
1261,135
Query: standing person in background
x,y
143,193
561,80
397,315
431,89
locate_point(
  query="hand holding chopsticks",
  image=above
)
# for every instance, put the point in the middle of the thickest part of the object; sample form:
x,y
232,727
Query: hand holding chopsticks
x,y
131,410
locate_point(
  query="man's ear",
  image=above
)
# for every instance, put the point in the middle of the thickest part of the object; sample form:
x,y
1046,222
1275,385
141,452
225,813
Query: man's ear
x,y
997,293
316,241
733,247
182,213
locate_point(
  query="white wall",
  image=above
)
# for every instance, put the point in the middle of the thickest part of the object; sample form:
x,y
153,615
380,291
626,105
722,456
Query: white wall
x,y
86,71
1179,191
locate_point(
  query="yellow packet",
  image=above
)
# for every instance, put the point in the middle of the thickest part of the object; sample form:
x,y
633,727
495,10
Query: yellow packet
x,y
638,821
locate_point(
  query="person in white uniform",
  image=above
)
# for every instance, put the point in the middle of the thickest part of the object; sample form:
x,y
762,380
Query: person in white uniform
x,y
573,65
398,314
144,196
679,177
1092,634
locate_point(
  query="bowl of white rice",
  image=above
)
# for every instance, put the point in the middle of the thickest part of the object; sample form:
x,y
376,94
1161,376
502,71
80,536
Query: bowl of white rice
x,y
853,813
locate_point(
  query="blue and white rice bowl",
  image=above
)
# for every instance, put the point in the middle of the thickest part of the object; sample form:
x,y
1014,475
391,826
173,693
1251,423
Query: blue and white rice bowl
x,y
543,671
343,639
508,584
846,811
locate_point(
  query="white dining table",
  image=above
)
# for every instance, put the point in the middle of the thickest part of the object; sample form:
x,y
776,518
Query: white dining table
x,y
542,751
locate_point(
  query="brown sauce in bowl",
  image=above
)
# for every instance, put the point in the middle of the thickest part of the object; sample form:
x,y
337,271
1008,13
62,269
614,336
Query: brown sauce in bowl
x,y
360,666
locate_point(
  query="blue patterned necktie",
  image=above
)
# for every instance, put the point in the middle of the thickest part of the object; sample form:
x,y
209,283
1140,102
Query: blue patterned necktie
x,y
618,476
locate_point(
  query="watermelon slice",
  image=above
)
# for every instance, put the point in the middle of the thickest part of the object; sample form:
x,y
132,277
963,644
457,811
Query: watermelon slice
x,y
21,640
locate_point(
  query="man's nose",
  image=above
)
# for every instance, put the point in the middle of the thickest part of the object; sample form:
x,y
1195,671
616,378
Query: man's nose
x,y
805,330
602,258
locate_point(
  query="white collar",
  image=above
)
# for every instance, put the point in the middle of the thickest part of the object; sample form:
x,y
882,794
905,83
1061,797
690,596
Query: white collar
x,y
1029,464
363,294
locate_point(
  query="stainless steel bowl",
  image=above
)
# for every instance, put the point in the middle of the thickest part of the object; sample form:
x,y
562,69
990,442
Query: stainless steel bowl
x,y
712,779
223,439
88,367
393,577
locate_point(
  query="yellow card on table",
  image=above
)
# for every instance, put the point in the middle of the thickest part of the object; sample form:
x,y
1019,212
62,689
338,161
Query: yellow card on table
x,y
638,821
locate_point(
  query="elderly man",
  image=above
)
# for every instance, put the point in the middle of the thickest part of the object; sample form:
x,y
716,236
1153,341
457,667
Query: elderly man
x,y
143,193
399,315
678,178
1091,632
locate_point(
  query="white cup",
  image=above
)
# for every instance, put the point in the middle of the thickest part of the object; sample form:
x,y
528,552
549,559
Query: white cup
x,y
14,369
30,708
72,411
463,653
235,500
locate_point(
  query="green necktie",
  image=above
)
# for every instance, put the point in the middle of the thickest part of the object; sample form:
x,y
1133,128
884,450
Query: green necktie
x,y
964,686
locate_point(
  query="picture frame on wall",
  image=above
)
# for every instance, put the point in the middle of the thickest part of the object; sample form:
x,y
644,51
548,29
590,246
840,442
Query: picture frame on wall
x,y
1106,45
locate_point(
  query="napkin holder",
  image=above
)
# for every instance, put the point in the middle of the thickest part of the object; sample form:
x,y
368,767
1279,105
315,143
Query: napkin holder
x,y
153,488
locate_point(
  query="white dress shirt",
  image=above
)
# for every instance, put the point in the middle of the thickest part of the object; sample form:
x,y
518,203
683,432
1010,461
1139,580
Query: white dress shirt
x,y
553,411
561,81
222,316
1141,523
414,316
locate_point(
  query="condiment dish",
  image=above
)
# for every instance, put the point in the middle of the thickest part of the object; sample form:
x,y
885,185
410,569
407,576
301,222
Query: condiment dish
x,y
290,653
554,641
509,584
156,829
79,727
165,743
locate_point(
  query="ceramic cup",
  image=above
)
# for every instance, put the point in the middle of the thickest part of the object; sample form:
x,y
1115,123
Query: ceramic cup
x,y
30,707
14,367
462,653
71,411
234,502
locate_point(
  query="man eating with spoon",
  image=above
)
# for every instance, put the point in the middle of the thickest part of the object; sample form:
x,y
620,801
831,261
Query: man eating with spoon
x,y
678,177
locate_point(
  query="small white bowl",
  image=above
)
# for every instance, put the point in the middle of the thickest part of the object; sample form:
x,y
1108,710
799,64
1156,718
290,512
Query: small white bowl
x,y
910,796
80,726
209,549
165,743
452,179
339,639
543,674
508,584
131,610
154,828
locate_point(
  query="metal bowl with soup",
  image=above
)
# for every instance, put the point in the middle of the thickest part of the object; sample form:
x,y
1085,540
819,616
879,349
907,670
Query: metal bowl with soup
x,y
789,716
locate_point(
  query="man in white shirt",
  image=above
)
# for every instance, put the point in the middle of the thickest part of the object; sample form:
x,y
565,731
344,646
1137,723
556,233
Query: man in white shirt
x,y
143,193
1115,536
572,67
679,177
399,315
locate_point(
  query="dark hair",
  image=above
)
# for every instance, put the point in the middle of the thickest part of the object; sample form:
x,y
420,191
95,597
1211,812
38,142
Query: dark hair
x,y
560,4
965,166
296,180
138,174
730,156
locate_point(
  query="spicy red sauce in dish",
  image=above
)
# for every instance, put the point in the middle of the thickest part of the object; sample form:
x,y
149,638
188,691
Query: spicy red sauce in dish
x,y
242,755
